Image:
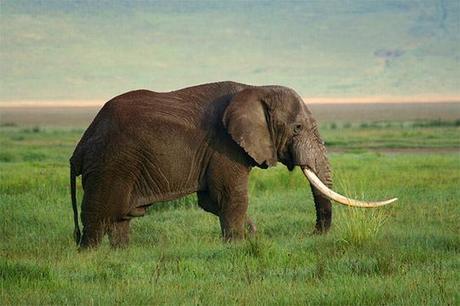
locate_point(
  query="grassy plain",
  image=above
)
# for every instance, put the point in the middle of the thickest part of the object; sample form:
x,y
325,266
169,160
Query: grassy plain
x,y
404,254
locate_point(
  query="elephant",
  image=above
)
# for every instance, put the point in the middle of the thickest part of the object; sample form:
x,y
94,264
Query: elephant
x,y
144,147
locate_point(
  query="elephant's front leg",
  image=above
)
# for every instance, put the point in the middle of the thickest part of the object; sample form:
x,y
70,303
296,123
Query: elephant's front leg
x,y
233,216
228,189
211,205
323,212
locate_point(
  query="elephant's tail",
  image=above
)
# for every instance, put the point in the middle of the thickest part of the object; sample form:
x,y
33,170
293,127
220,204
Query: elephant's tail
x,y
73,194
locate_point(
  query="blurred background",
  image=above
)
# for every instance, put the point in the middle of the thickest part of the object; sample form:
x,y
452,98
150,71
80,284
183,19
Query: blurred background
x,y
341,56
93,50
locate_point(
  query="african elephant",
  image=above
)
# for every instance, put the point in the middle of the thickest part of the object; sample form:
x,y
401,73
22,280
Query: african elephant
x,y
145,146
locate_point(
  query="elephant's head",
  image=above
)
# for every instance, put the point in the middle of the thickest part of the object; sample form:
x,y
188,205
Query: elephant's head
x,y
272,123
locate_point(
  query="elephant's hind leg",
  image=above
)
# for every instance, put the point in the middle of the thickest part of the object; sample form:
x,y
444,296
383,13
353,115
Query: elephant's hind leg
x,y
94,225
119,230
92,235
104,207
119,234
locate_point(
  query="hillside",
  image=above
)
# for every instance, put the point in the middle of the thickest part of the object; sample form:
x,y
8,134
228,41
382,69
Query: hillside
x,y
94,50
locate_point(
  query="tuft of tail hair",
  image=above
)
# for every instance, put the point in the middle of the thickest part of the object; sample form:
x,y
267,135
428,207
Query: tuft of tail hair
x,y
73,195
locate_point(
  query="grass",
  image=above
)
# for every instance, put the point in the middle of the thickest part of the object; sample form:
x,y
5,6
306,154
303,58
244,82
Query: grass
x,y
404,254
361,227
402,135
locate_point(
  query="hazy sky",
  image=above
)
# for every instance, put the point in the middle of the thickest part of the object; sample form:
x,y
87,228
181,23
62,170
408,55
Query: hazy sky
x,y
95,49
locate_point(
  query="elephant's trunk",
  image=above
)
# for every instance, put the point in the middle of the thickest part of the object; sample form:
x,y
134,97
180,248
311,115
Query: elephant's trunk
x,y
332,195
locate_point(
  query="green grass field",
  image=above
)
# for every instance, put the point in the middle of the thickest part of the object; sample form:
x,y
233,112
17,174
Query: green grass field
x,y
404,254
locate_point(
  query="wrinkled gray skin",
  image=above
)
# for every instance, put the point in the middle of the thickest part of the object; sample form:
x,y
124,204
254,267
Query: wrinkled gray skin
x,y
144,147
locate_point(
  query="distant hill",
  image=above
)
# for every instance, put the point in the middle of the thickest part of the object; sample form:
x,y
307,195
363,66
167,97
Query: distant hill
x,y
94,50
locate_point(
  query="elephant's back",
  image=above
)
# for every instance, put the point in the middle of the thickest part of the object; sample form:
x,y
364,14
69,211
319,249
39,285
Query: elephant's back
x,y
179,120
140,110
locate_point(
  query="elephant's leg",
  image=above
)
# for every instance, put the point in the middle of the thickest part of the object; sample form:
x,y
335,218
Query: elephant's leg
x,y
232,220
92,235
105,206
227,183
233,200
207,203
323,212
230,225
94,225
119,234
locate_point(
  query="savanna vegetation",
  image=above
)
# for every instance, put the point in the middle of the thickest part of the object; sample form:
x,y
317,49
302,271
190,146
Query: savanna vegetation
x,y
404,254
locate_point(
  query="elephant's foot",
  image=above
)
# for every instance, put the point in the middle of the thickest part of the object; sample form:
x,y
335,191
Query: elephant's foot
x,y
92,236
232,234
322,226
119,234
238,230
232,230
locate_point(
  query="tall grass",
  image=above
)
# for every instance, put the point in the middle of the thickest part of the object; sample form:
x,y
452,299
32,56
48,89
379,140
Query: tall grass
x,y
360,227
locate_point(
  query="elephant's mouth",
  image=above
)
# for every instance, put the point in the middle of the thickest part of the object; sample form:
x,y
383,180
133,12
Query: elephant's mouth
x,y
332,195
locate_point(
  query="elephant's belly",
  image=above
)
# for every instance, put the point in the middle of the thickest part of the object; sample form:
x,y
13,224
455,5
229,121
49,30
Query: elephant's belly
x,y
164,166
140,204
156,183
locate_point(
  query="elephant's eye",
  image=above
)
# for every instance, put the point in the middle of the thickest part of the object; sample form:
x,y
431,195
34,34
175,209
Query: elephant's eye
x,y
297,128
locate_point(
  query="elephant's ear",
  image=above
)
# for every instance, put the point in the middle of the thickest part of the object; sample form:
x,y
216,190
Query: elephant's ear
x,y
246,121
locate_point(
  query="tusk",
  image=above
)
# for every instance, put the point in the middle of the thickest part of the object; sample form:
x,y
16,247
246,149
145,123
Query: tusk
x,y
332,195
